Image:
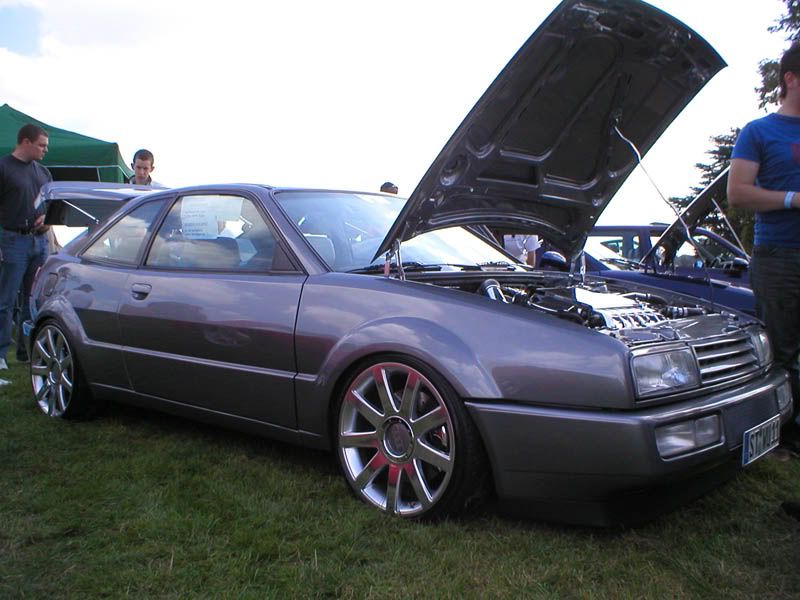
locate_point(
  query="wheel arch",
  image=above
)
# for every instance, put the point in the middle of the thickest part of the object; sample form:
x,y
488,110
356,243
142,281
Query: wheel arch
x,y
476,468
439,349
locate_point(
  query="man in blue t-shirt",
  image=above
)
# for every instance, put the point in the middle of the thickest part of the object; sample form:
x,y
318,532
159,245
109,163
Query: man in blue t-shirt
x,y
765,178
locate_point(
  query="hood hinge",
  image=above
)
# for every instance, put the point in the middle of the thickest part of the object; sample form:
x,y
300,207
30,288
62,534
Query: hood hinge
x,y
387,264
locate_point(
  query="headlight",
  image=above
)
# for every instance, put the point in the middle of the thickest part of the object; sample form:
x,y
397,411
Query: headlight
x,y
665,372
762,347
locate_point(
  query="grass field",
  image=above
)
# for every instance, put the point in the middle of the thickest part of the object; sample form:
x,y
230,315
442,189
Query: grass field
x,y
137,504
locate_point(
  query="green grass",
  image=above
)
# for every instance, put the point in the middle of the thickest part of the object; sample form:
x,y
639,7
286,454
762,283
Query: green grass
x,y
142,505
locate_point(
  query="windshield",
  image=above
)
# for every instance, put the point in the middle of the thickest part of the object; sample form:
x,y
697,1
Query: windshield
x,y
346,229
712,253
598,249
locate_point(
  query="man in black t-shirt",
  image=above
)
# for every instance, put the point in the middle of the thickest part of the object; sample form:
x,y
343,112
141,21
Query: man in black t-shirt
x,y
23,239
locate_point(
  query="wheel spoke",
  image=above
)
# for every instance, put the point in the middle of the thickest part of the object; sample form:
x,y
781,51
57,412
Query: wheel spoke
x,y
65,382
61,398
40,370
66,363
42,392
60,351
370,471
384,390
418,484
393,488
51,400
410,393
51,344
367,439
431,456
42,350
365,409
435,418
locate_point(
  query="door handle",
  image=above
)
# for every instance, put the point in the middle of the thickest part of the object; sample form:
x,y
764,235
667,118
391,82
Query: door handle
x,y
140,290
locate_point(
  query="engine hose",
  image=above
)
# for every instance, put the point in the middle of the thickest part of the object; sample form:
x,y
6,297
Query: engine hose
x,y
677,312
491,288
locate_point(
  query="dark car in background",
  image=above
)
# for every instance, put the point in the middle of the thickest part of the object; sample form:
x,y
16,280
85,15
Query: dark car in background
x,y
385,330
682,257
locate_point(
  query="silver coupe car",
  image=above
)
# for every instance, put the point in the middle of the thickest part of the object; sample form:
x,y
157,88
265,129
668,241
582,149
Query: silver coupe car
x,y
437,369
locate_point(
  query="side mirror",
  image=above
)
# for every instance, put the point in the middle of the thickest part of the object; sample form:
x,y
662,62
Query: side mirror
x,y
553,260
735,267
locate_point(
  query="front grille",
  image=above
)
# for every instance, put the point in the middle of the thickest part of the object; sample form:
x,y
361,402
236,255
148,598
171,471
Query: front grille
x,y
722,360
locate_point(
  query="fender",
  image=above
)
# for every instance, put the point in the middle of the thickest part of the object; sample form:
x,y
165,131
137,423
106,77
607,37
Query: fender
x,y
103,363
422,339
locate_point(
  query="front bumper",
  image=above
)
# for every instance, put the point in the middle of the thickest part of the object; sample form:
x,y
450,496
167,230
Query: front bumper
x,y
564,464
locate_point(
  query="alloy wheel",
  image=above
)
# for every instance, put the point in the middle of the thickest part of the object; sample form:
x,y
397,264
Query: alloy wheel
x,y
52,371
396,439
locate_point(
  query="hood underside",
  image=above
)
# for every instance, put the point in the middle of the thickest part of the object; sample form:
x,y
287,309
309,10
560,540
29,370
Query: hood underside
x,y
691,216
85,203
540,151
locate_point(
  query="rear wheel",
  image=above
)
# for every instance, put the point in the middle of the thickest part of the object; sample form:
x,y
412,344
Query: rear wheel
x,y
405,442
59,388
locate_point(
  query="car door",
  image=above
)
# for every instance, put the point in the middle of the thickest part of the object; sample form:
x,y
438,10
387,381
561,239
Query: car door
x,y
95,284
208,320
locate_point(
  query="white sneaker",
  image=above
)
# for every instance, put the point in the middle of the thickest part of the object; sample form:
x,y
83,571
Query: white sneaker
x,y
3,364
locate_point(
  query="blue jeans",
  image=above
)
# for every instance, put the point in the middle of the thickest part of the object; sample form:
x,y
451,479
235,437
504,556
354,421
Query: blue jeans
x,y
775,277
21,256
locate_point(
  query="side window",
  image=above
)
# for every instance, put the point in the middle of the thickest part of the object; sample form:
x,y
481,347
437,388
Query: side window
x,y
625,244
123,241
213,232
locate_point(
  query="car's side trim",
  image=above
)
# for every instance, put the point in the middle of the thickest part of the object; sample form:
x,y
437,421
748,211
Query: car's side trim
x,y
210,363
213,417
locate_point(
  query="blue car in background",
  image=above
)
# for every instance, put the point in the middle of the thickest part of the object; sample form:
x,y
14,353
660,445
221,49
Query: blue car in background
x,y
682,257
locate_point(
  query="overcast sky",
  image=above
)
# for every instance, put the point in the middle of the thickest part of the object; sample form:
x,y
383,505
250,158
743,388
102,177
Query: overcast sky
x,y
343,94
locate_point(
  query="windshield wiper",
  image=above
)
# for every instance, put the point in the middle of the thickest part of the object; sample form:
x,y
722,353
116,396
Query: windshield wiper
x,y
409,265
502,264
412,265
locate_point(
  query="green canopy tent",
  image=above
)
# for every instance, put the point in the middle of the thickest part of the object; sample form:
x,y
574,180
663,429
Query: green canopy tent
x,y
72,156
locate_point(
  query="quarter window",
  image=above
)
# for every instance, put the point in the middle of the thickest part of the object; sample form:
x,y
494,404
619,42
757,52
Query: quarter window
x,y
123,241
213,232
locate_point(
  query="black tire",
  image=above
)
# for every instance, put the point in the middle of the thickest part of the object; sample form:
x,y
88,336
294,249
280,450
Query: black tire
x,y
59,387
405,442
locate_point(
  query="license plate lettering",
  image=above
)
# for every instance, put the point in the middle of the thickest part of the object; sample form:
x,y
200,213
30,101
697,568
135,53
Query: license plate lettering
x,y
760,439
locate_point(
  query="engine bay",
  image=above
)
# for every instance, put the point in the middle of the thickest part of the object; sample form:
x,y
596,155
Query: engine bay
x,y
633,316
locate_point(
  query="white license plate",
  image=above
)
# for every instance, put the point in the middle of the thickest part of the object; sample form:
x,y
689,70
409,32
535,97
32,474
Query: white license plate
x,y
761,439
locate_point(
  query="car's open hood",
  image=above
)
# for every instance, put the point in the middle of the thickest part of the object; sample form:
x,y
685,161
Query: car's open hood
x,y
692,215
84,203
539,151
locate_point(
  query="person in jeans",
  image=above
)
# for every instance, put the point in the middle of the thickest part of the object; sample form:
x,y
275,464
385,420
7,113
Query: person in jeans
x,y
23,237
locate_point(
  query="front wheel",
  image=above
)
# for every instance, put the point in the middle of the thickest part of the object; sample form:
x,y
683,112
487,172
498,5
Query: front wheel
x,y
406,444
59,388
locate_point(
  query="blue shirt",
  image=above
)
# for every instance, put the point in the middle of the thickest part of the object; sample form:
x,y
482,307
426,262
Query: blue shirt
x,y
774,142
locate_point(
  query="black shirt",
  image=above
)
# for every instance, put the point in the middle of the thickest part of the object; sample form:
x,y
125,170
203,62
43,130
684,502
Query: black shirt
x,y
20,183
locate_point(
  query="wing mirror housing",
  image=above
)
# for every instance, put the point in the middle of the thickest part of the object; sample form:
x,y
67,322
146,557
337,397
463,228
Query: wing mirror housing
x,y
554,261
736,267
